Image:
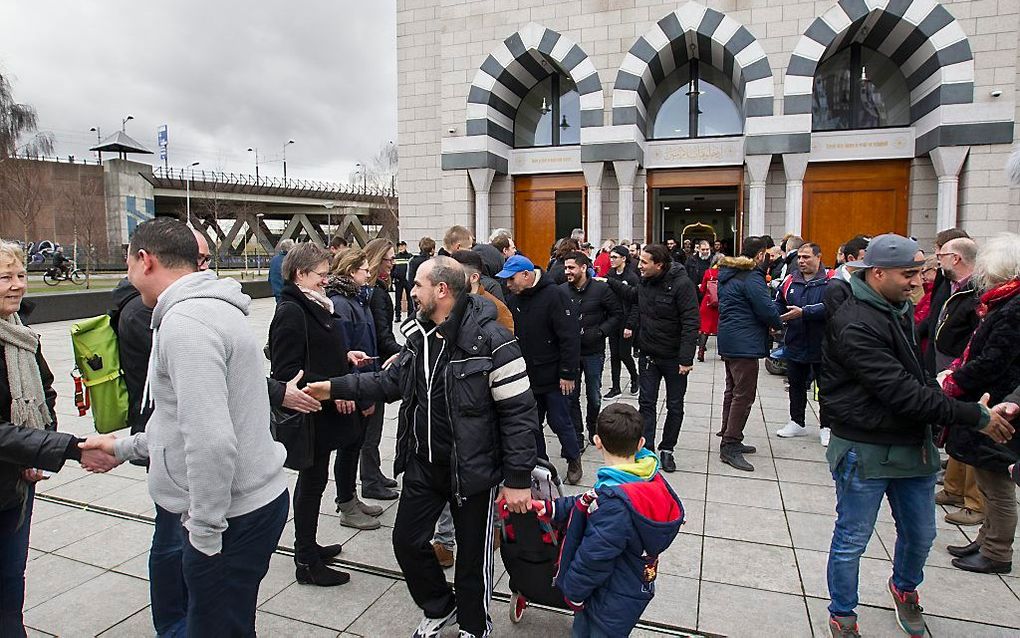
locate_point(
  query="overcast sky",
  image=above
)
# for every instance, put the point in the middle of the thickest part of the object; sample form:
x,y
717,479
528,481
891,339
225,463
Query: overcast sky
x,y
222,75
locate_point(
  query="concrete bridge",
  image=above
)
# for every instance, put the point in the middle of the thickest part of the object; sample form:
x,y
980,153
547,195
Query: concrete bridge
x,y
234,210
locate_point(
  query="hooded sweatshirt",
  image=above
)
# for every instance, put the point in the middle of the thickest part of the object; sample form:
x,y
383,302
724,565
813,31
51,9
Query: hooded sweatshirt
x,y
211,454
615,534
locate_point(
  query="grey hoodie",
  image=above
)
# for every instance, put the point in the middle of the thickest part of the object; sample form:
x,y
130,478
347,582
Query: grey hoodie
x,y
211,454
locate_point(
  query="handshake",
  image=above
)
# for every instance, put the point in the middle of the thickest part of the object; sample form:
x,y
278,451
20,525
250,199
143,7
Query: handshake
x,y
97,453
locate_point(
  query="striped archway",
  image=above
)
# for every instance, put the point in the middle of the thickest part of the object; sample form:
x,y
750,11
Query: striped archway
x,y
919,36
692,31
518,64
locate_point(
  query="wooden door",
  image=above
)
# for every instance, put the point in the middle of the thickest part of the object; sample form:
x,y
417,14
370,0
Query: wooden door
x,y
535,212
843,199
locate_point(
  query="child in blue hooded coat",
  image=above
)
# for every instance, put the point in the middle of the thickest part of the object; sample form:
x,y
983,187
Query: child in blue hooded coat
x,y
615,531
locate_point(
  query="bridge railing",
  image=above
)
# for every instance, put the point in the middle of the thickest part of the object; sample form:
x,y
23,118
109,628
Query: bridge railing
x,y
183,175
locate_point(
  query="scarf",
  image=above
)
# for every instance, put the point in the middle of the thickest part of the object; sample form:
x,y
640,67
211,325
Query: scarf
x,y
28,400
318,298
644,468
1001,293
347,287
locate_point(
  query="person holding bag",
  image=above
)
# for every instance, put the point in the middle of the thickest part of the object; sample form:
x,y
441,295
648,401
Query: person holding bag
x,y
303,337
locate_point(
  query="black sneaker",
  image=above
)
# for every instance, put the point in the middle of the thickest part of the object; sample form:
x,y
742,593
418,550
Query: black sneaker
x,y
666,461
574,472
634,387
612,394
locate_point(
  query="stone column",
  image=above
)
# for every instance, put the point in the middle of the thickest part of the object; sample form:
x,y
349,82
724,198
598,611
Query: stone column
x,y
948,160
757,170
794,165
481,180
626,171
593,172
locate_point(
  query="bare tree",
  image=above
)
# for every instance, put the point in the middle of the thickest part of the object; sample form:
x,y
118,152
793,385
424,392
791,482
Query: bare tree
x,y
22,192
380,171
19,127
84,201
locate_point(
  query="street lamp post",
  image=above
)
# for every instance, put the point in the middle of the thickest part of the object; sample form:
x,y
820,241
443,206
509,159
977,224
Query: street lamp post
x,y
329,221
188,197
99,140
254,149
364,178
289,142
123,123
258,262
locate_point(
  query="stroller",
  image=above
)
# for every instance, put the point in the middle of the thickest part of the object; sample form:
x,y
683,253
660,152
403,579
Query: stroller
x,y
530,548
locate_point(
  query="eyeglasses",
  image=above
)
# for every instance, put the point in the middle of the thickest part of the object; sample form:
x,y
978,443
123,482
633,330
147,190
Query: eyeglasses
x,y
388,259
941,255
321,275
204,259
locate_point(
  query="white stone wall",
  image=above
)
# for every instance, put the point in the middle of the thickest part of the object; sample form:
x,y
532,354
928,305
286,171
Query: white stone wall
x,y
442,43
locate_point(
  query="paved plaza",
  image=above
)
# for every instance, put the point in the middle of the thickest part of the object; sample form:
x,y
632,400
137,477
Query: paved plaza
x,y
749,562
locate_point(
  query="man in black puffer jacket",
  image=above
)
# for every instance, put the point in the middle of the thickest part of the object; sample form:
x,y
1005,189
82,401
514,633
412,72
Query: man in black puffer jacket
x,y
467,423
550,337
598,309
667,336
882,406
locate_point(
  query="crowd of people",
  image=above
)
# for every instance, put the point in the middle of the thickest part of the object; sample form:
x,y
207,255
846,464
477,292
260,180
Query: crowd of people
x,y
493,347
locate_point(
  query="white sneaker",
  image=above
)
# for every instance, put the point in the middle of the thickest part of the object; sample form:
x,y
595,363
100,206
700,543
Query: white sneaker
x,y
431,627
823,435
791,429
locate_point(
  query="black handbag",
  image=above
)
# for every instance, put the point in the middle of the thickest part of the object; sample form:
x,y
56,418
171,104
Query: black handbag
x,y
296,431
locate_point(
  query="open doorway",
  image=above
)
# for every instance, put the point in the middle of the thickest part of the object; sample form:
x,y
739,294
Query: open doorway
x,y
696,204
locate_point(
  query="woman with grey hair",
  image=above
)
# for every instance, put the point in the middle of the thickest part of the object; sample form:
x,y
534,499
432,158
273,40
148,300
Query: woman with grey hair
x,y
30,447
990,366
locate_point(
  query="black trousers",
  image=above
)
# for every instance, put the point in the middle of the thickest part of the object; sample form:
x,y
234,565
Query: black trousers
x,y
403,290
620,352
311,483
426,490
800,376
653,371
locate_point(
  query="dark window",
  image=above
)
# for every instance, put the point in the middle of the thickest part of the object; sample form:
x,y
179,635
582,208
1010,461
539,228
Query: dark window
x,y
859,88
695,97
550,114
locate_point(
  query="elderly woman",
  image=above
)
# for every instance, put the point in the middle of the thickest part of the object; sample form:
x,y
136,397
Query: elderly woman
x,y
350,292
29,445
302,337
990,364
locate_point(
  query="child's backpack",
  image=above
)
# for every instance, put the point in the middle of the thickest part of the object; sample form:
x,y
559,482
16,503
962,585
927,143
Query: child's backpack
x,y
97,368
712,286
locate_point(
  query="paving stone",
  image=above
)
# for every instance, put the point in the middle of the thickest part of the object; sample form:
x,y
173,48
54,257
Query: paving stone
x,y
134,499
111,546
763,467
333,607
988,599
683,558
393,614
98,604
742,612
873,579
732,521
694,517
938,556
813,499
814,531
51,575
811,472
675,602
949,627
67,528
749,491
267,624
687,485
35,633
91,488
137,566
138,624
750,565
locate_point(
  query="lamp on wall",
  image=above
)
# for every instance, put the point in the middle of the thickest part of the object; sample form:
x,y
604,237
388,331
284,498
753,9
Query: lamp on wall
x,y
564,124
545,107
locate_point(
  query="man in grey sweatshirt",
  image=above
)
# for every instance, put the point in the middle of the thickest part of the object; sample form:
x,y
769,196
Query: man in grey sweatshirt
x,y
211,456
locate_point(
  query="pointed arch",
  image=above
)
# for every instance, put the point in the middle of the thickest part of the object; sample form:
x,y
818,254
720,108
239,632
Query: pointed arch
x,y
693,31
518,64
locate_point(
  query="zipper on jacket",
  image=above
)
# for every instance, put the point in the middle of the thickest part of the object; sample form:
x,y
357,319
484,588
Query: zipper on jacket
x,y
945,319
454,472
429,376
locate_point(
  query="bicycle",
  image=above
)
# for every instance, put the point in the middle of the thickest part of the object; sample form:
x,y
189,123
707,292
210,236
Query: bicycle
x,y
55,275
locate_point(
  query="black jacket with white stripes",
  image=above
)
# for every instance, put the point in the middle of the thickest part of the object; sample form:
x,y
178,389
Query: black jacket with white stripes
x,y
487,394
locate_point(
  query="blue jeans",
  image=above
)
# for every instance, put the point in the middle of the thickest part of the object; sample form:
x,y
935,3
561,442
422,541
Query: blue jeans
x,y
167,590
557,407
445,533
13,558
584,628
857,502
591,369
223,588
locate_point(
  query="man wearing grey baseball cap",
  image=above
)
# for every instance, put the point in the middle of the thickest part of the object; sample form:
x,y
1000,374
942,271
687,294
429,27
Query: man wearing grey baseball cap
x,y
882,407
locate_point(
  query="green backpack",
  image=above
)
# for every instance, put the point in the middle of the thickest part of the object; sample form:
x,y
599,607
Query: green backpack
x,y
97,367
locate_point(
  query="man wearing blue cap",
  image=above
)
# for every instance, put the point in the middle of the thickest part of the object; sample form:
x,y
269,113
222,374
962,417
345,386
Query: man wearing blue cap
x,y
882,407
550,337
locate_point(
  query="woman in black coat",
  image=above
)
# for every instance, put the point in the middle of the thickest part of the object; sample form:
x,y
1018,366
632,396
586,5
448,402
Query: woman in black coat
x,y
991,364
302,336
379,253
29,444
